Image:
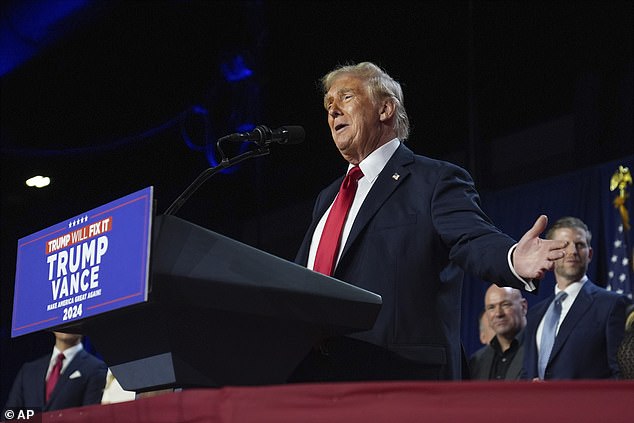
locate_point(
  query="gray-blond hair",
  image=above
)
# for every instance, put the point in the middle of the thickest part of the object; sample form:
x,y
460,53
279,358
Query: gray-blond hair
x,y
381,86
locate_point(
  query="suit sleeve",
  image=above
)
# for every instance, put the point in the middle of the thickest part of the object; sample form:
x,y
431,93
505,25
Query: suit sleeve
x,y
96,383
474,241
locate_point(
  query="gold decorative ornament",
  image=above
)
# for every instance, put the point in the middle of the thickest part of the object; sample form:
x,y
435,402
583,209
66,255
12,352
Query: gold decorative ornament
x,y
620,180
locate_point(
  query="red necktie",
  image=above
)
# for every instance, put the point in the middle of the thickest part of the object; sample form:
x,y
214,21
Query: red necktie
x,y
54,376
328,248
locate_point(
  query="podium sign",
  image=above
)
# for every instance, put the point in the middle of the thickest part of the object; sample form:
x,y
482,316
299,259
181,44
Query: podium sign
x,y
93,263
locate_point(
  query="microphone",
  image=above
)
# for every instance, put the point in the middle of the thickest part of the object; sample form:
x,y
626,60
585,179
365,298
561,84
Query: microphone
x,y
263,135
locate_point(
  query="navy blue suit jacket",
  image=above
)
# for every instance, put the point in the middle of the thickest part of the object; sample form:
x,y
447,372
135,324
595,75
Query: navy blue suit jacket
x,y
28,389
419,226
588,338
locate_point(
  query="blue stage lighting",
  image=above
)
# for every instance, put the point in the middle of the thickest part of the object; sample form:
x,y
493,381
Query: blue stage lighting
x,y
236,70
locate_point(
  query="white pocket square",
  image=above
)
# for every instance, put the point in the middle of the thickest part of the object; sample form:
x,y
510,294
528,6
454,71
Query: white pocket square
x,y
75,375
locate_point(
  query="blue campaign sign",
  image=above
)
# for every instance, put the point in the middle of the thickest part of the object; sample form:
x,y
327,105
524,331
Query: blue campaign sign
x,y
93,263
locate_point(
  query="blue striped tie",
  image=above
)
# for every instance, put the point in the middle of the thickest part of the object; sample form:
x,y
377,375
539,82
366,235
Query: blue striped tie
x,y
549,332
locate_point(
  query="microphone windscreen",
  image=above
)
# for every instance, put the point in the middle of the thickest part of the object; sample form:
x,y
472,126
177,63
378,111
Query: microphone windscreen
x,y
294,134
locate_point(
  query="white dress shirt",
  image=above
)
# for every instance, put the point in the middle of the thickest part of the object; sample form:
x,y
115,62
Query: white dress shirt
x,y
572,290
69,354
371,166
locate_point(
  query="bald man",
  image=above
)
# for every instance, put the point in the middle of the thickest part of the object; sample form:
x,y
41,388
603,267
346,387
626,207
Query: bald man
x,y
502,359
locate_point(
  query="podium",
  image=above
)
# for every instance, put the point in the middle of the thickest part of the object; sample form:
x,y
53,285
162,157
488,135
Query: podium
x,y
221,313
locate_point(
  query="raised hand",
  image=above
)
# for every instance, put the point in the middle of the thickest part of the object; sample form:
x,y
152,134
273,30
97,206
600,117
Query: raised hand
x,y
534,256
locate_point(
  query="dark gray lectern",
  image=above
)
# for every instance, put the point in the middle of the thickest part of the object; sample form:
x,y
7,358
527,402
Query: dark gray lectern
x,y
223,313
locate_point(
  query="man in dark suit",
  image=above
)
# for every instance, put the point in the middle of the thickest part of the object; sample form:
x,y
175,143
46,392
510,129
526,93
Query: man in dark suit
x,y
505,311
413,226
589,327
486,335
81,381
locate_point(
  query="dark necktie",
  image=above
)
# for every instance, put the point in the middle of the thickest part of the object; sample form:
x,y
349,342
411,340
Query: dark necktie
x,y
54,376
549,332
328,248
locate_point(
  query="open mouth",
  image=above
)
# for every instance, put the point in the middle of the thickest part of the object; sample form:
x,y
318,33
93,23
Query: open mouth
x,y
340,126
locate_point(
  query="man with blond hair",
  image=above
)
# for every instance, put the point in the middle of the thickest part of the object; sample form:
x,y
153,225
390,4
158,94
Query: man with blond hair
x,y
575,333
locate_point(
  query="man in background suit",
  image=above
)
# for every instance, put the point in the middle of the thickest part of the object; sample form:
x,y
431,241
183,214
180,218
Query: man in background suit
x,y
81,381
415,224
486,334
505,311
590,326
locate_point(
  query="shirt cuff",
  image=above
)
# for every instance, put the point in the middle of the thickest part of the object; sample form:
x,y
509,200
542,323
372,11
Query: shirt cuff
x,y
529,286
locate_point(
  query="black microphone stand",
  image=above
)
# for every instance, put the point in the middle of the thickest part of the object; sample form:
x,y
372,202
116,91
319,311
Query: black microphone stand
x,y
225,163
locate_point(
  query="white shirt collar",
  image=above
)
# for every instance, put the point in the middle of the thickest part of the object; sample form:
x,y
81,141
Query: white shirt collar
x,y
372,165
573,289
69,354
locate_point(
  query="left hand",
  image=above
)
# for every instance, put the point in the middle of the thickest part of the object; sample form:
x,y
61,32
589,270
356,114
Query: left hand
x,y
534,256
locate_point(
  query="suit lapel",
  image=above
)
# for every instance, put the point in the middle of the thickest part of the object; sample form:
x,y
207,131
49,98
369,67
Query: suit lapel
x,y
536,314
385,184
515,368
540,312
487,362
40,394
575,314
64,377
